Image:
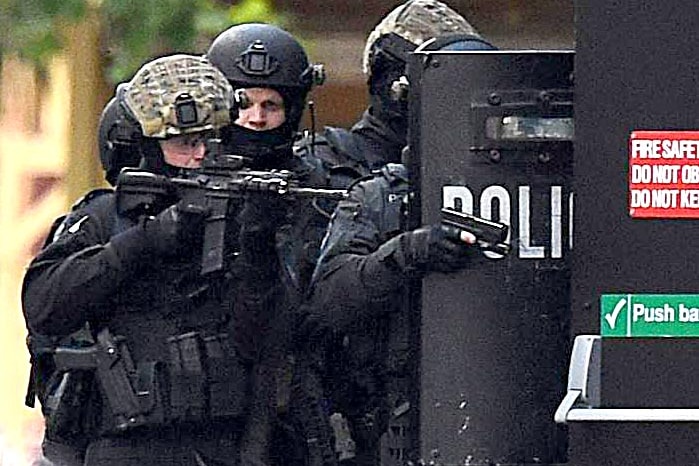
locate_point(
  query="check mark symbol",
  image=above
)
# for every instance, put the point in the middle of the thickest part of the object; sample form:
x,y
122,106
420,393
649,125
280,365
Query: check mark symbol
x,y
612,317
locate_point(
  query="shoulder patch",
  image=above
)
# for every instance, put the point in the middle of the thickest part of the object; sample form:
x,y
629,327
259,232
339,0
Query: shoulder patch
x,y
76,226
94,201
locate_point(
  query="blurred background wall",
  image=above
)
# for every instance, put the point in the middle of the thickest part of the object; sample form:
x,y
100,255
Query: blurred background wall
x,y
59,66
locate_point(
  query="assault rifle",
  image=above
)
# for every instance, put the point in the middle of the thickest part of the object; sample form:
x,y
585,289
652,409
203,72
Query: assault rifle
x,y
490,235
222,180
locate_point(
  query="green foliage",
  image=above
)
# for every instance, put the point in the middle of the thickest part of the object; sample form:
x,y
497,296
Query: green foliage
x,y
137,30
30,26
250,11
133,31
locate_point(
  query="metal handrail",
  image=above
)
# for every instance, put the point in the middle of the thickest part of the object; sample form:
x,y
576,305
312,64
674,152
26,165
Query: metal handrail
x,y
582,399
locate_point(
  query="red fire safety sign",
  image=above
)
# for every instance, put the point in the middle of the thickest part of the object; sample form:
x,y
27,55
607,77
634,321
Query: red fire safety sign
x,y
664,174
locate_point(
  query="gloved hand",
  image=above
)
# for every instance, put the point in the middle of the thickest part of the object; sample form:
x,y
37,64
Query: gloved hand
x,y
174,230
262,214
437,248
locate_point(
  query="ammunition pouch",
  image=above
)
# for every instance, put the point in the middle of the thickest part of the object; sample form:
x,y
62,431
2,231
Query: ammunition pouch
x,y
207,378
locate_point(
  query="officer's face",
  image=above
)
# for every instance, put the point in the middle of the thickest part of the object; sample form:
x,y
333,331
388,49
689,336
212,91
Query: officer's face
x,y
186,151
265,111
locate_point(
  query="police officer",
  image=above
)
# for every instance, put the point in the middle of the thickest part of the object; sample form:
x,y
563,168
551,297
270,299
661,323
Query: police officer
x,y
358,310
171,382
273,69
358,302
380,134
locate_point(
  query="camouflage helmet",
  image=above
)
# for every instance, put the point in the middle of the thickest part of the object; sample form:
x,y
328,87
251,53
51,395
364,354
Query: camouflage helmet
x,y
177,94
415,21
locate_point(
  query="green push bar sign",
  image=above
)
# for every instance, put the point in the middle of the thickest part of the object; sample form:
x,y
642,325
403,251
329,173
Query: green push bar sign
x,y
649,315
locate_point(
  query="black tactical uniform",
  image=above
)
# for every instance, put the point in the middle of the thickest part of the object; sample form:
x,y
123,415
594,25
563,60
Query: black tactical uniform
x,y
165,379
164,310
263,56
358,312
64,445
297,243
354,307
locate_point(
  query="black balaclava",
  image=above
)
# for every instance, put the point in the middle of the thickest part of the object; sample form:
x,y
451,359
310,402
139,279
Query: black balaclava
x,y
269,148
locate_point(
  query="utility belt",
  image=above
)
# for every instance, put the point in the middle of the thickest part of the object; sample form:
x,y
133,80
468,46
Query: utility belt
x,y
201,379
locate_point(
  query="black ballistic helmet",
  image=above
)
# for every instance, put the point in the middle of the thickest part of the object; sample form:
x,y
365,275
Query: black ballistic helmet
x,y
262,55
117,139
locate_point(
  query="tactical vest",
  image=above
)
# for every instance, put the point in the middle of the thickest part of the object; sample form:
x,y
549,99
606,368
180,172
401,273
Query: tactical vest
x,y
180,330
166,355
336,149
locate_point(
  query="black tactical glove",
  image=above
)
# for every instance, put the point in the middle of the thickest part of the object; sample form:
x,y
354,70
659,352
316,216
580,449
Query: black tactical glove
x,y
262,214
259,219
435,248
175,230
